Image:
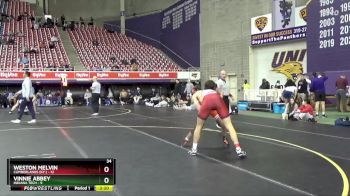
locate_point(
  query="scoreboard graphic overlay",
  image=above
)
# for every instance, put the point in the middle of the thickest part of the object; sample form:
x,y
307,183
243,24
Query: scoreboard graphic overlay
x,y
328,36
61,174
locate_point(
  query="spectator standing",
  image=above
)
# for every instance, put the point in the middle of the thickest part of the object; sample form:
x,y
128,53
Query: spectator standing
x,y
290,90
341,85
27,96
224,89
188,88
63,19
302,85
96,91
177,89
318,87
246,87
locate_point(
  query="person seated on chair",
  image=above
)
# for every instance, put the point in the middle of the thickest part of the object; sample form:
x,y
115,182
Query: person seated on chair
x,y
264,84
137,96
87,96
95,42
123,96
54,39
24,60
291,108
52,45
162,103
69,98
110,97
305,111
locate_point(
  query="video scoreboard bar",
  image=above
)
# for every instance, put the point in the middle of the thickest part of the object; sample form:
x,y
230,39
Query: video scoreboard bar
x,y
61,174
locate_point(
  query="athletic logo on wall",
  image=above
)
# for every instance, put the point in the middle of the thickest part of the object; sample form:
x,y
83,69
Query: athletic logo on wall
x,y
289,63
261,23
286,12
303,14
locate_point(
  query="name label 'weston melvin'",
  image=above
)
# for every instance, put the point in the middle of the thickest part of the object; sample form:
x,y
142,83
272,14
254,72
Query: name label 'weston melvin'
x,y
35,167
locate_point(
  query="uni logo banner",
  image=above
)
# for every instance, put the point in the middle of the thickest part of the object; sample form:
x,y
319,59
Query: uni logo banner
x,y
289,63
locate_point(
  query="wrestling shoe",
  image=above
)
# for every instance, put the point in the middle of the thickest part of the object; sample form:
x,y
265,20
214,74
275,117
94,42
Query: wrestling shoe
x,y
32,121
218,126
17,121
241,154
192,152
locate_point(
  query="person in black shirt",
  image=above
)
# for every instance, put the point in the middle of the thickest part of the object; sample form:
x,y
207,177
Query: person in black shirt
x,y
177,88
303,88
265,84
278,85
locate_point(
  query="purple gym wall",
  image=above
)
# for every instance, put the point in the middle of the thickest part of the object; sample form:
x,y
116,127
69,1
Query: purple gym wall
x,y
179,42
182,38
145,29
328,42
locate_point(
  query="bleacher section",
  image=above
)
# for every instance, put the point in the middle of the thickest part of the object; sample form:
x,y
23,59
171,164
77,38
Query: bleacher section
x,y
121,47
46,57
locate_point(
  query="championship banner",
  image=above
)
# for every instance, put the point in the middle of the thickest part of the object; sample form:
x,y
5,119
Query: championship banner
x,y
86,75
283,14
279,36
261,24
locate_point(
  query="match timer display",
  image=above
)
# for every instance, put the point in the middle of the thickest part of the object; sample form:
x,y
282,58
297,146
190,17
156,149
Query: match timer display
x,y
61,174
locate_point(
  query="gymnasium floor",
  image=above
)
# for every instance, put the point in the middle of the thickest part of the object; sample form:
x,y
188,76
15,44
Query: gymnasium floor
x,y
284,158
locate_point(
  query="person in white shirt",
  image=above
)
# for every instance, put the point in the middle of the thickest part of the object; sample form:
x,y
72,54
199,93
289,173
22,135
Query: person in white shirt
x,y
137,96
96,91
54,39
224,89
69,98
290,90
27,96
87,96
188,88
